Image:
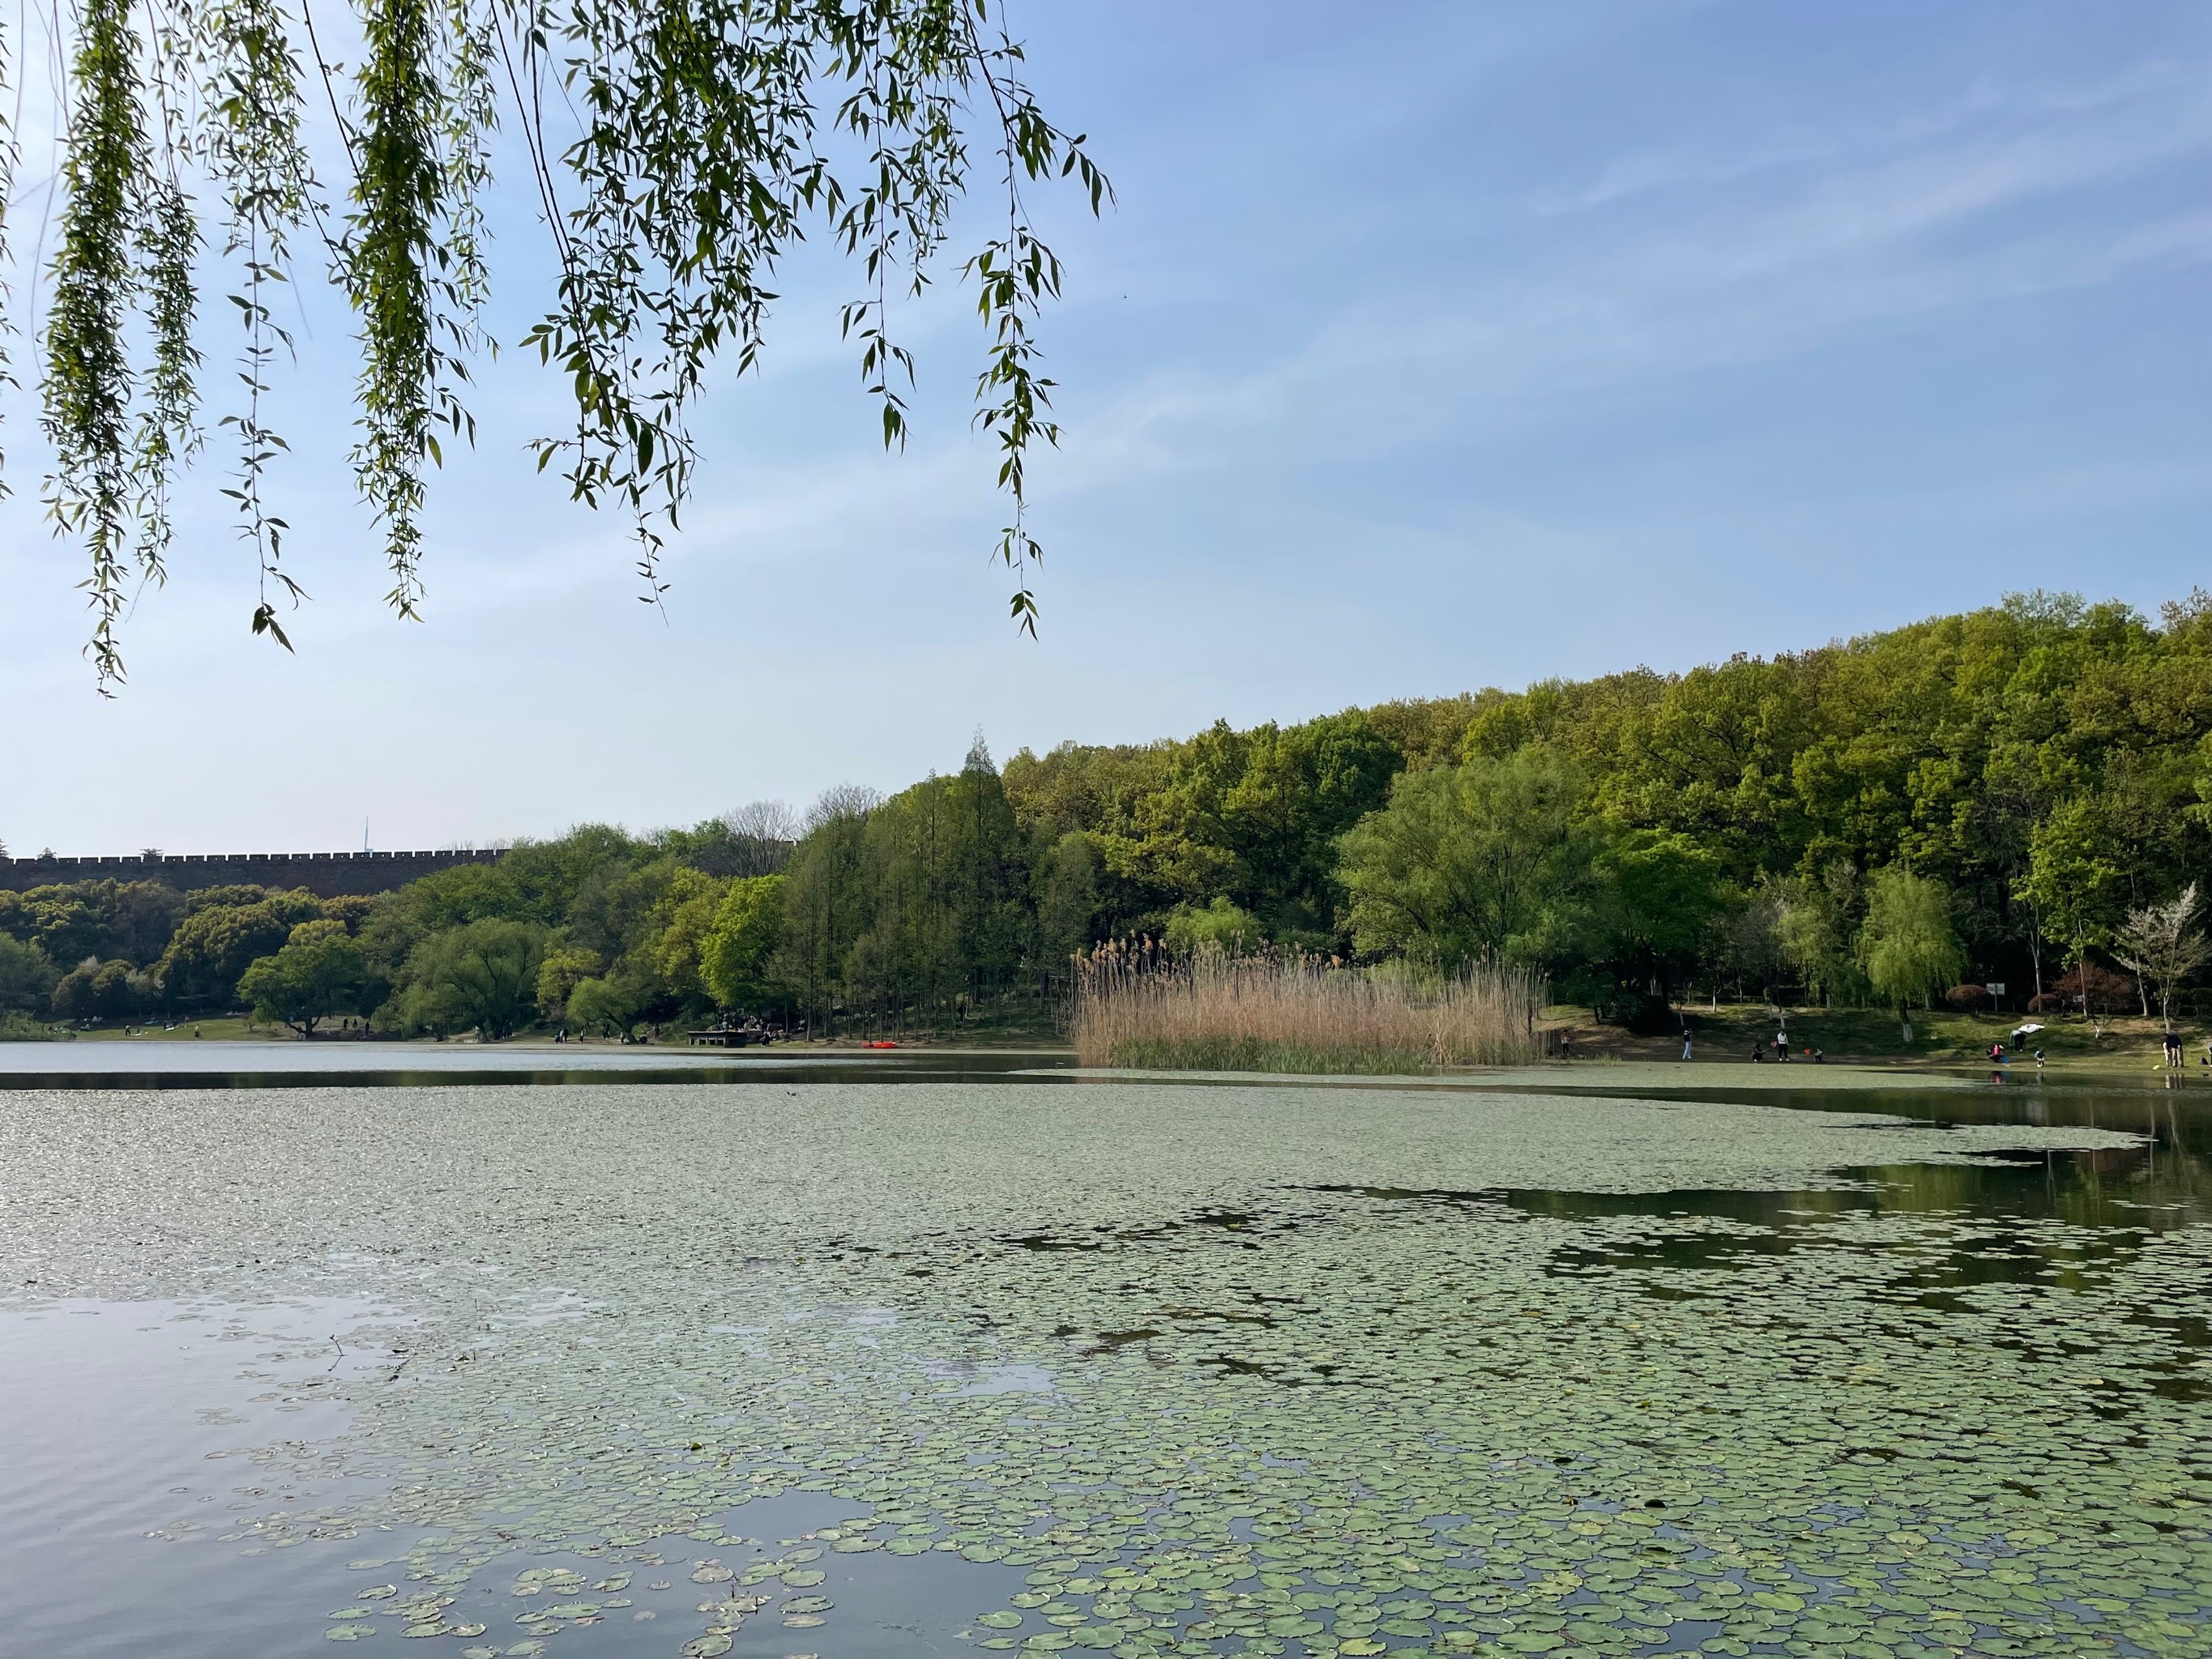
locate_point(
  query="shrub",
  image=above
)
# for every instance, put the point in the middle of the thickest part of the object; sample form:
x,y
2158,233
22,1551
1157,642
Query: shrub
x,y
1221,925
2087,989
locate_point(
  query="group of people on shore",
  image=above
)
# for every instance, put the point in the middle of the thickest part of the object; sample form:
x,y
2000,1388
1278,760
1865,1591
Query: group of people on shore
x,y
1758,1047
2176,1054
1811,1051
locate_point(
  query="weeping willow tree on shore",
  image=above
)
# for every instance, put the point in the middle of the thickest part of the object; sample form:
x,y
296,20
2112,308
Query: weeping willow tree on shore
x,y
676,149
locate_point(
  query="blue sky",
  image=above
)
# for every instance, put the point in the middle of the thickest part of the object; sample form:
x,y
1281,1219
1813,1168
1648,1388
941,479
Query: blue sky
x,y
1428,348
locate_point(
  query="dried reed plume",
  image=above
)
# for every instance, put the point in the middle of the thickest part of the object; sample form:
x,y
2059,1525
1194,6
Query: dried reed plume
x,y
1139,1004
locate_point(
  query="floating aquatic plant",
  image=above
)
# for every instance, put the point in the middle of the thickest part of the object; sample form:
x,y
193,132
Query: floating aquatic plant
x,y
1318,1384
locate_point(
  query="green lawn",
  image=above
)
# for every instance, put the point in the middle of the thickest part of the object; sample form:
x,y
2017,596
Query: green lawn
x,y
229,1028
1942,1036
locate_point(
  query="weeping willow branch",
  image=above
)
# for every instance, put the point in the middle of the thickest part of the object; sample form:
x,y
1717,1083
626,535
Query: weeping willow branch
x,y
255,151
167,433
10,151
677,149
168,252
1014,276
89,383
387,263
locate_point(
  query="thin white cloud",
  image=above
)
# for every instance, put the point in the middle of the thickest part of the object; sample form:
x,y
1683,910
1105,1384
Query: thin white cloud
x,y
1736,283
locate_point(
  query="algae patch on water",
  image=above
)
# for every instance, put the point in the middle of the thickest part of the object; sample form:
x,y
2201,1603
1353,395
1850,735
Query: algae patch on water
x,y
1298,1377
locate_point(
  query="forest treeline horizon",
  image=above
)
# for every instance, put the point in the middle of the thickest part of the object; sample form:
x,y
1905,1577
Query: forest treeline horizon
x,y
2003,795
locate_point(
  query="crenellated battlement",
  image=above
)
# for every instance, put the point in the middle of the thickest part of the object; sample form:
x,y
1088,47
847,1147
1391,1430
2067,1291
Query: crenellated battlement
x,y
326,875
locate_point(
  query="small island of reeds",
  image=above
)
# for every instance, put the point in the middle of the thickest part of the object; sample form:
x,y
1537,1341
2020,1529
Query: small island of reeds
x,y
1141,1004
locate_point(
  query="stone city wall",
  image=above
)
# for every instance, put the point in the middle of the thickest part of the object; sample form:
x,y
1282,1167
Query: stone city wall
x,y
326,875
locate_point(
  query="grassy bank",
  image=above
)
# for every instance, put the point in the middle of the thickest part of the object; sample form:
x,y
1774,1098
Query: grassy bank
x,y
1212,1012
1942,1036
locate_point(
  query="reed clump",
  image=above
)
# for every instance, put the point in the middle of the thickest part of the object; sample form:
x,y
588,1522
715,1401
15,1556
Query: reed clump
x,y
1139,1004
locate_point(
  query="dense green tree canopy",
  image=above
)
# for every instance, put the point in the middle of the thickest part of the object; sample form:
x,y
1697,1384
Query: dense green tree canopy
x,y
103,991
27,976
737,958
560,971
318,972
1487,860
216,943
1660,894
480,976
610,1005
2011,793
131,920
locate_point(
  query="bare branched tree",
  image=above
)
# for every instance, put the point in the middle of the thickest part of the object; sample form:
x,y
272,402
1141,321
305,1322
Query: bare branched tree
x,y
846,800
2161,942
763,834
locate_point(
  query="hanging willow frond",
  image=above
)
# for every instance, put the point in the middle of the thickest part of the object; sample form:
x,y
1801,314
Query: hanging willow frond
x,y
677,149
90,382
253,92
10,148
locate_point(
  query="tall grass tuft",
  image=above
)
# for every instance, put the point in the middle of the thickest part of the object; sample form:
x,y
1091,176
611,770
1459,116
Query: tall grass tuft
x,y
1138,1005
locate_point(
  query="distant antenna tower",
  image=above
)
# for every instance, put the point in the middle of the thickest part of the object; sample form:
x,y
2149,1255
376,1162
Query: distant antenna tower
x,y
364,832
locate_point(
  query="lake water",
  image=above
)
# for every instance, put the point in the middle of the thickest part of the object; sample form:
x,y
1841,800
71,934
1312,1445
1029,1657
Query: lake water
x,y
165,1062
841,1358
